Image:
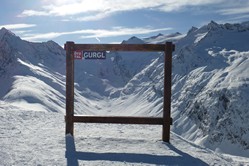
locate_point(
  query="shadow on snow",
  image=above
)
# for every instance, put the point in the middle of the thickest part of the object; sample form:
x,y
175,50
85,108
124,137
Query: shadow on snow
x,y
183,159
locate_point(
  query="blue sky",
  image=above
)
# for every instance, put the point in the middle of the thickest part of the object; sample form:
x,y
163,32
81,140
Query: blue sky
x,y
111,21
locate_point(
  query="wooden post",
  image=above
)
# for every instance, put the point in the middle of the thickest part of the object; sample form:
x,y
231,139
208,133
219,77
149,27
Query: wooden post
x,y
69,88
167,121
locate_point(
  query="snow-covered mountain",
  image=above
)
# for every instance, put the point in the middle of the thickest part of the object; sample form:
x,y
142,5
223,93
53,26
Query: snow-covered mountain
x,y
210,94
210,98
160,38
32,74
210,86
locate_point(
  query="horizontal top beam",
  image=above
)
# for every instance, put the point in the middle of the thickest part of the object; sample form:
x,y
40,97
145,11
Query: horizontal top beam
x,y
120,47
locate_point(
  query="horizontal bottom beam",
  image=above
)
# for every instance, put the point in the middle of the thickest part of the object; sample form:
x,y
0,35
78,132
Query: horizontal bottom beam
x,y
117,119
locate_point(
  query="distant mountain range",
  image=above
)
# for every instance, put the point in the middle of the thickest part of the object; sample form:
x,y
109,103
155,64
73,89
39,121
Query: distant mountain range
x,y
210,93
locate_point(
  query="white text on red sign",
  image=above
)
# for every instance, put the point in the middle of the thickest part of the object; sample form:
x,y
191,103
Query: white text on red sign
x,y
89,54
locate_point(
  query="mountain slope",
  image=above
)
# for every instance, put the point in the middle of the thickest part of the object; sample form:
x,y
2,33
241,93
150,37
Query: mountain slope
x,y
210,87
214,94
29,75
209,91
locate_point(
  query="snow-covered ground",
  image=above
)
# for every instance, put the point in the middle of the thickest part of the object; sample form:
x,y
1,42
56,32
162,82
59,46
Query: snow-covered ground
x,y
210,102
38,138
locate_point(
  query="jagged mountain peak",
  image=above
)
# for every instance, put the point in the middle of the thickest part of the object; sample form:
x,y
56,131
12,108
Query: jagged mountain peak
x,y
6,33
213,25
53,45
133,40
174,34
160,34
4,30
154,37
210,82
13,49
192,29
160,38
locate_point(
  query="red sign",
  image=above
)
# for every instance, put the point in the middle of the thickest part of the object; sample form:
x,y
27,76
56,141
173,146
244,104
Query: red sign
x,y
78,54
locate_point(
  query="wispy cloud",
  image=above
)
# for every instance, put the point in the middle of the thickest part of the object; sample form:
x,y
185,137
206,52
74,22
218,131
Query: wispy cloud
x,y
37,37
27,13
93,17
175,5
98,9
236,10
96,33
17,26
121,31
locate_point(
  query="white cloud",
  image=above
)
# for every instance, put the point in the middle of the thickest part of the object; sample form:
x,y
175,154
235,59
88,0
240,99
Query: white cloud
x,y
27,13
95,33
98,9
58,2
17,26
92,17
68,9
37,37
174,5
121,31
237,10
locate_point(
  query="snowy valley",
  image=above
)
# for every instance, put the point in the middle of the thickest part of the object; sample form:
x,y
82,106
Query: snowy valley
x,y
210,101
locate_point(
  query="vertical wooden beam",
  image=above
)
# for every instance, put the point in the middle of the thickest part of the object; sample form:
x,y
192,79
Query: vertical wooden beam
x,y
69,88
169,47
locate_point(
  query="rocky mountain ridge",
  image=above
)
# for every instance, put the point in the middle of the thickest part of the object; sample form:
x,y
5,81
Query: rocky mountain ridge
x,y
209,91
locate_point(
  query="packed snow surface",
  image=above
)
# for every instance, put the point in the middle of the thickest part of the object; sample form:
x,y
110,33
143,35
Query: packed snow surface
x,y
38,138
